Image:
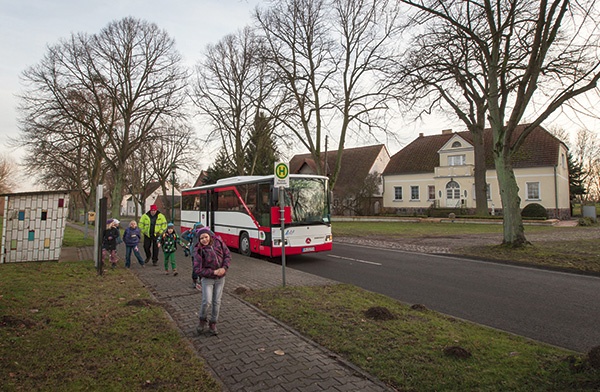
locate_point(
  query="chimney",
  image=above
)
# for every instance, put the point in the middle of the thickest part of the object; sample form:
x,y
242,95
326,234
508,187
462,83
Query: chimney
x,y
421,134
446,131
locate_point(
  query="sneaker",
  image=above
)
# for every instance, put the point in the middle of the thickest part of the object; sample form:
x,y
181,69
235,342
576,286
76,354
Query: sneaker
x,y
113,266
213,329
201,326
175,272
166,272
147,260
198,286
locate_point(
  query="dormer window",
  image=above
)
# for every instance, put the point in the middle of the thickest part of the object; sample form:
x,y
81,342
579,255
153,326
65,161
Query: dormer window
x,y
456,144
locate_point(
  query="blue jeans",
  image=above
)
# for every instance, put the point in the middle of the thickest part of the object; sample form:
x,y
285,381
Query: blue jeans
x,y
212,290
137,254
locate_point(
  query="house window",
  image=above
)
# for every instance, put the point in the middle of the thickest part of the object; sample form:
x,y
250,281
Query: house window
x,y
488,192
430,192
414,192
456,160
456,144
397,193
452,190
533,191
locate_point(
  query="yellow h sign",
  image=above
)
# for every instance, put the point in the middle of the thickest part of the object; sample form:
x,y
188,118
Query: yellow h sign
x,y
282,172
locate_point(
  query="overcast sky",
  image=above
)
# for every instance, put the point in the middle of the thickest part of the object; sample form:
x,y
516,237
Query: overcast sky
x,y
28,26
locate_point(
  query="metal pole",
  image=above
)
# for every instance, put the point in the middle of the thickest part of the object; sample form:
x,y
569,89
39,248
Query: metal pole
x,y
99,227
173,195
282,219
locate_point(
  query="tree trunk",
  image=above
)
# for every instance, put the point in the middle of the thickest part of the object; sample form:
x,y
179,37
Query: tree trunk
x,y
514,233
481,199
117,196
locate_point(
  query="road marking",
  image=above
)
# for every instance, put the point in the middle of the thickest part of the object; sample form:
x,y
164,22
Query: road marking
x,y
357,260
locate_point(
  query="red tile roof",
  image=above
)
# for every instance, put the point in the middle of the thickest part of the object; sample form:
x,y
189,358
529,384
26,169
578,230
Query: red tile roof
x,y
356,163
539,149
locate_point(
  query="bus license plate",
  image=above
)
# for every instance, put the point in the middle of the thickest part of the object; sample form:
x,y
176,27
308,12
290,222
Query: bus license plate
x,y
309,249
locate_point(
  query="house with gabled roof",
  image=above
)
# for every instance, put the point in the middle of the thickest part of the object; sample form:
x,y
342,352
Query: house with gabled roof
x,y
152,192
360,165
438,171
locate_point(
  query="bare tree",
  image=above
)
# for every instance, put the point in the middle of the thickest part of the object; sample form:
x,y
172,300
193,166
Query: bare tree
x,y
330,56
173,152
441,71
231,86
8,174
112,87
586,154
534,57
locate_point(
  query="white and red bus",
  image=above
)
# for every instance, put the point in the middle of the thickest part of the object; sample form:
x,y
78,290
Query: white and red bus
x,y
245,212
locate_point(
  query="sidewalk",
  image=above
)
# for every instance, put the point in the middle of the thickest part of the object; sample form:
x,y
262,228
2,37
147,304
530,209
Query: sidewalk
x,y
242,357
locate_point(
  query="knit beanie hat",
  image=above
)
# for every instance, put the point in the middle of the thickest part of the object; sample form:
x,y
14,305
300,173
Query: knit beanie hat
x,y
198,225
205,230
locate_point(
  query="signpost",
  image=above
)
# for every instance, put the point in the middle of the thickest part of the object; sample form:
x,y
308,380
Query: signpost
x,y
282,180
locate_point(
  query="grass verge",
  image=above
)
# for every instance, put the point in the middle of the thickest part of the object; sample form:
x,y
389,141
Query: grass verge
x,y
77,238
64,328
421,350
570,249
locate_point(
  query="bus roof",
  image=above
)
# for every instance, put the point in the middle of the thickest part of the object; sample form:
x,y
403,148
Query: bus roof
x,y
250,179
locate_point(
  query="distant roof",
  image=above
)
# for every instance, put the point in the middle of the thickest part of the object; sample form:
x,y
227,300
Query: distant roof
x,y
356,163
201,178
151,187
539,149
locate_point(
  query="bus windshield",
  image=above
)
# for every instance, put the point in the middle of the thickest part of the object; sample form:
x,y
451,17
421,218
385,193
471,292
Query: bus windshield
x,y
307,198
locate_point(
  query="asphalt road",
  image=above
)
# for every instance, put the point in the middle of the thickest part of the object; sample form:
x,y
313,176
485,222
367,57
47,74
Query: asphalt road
x,y
553,307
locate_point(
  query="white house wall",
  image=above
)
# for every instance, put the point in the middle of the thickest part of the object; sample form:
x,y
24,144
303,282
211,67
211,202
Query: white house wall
x,y
379,166
553,189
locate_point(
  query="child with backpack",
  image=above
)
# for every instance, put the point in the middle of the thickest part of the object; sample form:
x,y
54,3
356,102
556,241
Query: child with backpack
x,y
168,242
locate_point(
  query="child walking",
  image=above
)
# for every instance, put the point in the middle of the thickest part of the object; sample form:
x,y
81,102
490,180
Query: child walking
x,y
189,239
168,242
211,264
132,237
110,238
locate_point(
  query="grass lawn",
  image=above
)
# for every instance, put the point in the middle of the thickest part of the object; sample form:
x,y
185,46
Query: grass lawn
x,y
63,328
560,249
421,350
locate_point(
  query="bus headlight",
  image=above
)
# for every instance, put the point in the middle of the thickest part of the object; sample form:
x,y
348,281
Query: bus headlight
x,y
329,238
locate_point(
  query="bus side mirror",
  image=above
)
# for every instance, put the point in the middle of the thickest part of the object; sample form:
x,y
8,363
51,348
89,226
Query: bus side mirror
x,y
276,215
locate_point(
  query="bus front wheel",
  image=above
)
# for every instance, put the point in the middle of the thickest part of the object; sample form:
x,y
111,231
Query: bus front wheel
x,y
245,245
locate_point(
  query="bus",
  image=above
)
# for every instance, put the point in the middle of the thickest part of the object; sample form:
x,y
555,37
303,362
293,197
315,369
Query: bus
x,y
244,211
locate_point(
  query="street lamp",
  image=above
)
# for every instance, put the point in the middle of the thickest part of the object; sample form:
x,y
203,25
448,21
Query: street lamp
x,y
173,168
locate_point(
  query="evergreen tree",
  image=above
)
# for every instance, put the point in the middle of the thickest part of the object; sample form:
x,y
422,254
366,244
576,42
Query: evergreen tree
x,y
576,176
221,168
262,151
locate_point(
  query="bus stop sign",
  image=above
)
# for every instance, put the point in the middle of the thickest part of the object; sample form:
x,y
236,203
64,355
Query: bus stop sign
x,y
282,175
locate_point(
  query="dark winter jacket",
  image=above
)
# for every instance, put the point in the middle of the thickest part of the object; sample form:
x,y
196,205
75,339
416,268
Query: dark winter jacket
x,y
211,257
109,238
132,237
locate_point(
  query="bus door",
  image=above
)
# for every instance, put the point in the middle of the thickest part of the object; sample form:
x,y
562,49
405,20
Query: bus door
x,y
211,201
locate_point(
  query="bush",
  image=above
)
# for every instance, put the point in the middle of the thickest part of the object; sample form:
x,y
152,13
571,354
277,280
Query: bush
x,y
586,221
534,210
